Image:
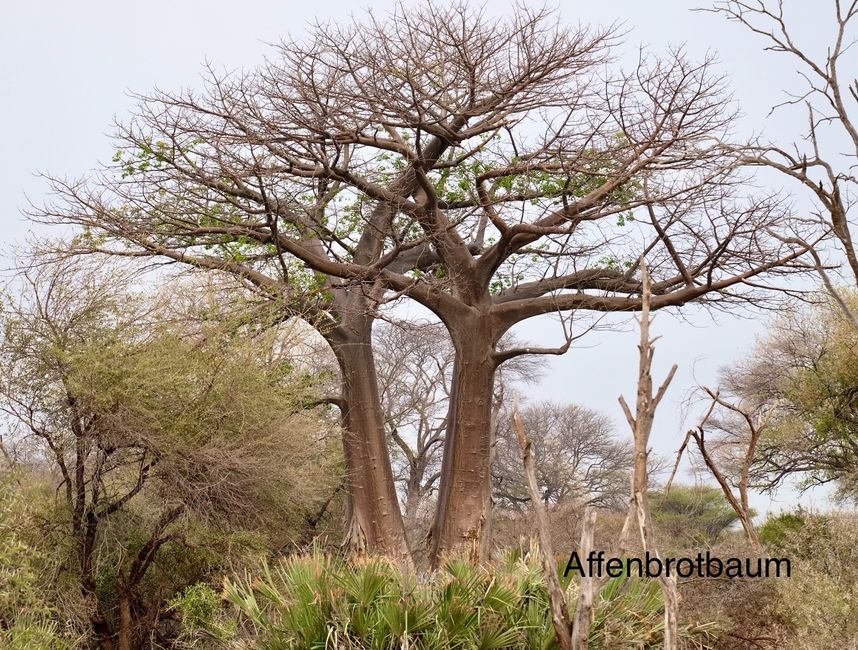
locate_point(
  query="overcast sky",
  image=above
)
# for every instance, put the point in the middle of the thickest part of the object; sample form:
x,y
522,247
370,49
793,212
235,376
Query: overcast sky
x,y
67,69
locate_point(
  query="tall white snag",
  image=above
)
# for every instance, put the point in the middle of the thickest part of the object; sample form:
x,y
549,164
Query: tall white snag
x,y
641,426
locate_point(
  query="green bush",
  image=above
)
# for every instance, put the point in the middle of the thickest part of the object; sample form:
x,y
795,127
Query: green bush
x,y
778,530
318,602
818,604
690,516
34,634
20,563
203,618
33,601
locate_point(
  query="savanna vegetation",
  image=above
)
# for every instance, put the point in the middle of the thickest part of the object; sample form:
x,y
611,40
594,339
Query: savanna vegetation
x,y
224,427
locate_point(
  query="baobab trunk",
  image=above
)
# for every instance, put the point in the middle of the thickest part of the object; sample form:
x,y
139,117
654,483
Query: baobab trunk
x,y
374,519
462,513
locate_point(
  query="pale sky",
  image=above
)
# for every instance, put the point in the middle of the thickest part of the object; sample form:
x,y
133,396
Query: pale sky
x,y
67,68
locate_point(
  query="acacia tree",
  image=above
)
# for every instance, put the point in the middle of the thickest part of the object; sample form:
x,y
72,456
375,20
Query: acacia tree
x,y
792,405
148,428
491,170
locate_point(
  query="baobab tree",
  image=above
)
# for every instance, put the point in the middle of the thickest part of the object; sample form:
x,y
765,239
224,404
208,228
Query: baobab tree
x,y
491,170
233,181
414,362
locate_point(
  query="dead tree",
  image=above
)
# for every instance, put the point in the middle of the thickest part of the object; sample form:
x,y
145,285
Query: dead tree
x,y
749,442
815,160
588,587
641,425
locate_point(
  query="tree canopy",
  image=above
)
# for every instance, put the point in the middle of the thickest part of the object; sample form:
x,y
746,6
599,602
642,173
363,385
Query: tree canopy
x,y
158,427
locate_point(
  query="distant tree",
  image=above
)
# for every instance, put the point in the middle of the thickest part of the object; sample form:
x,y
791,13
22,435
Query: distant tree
x,y
578,457
151,428
690,516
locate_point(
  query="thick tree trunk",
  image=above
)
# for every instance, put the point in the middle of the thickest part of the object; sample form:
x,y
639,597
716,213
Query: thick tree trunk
x,y
374,521
486,538
462,514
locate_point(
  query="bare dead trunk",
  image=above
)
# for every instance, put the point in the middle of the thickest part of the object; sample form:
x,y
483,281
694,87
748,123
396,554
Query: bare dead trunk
x,y
374,522
641,425
463,492
587,588
740,506
640,503
639,512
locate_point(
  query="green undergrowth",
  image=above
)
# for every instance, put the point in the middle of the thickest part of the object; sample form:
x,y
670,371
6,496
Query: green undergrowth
x,y
319,602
